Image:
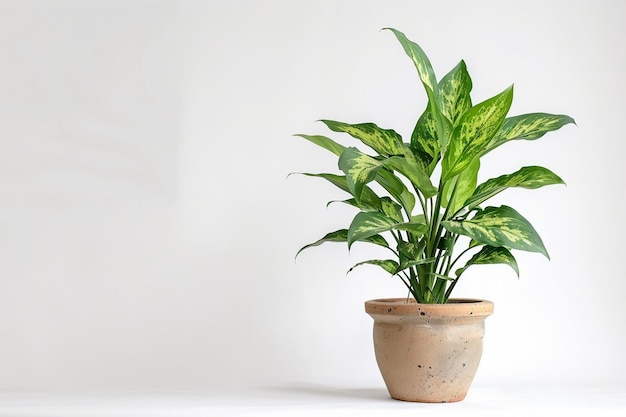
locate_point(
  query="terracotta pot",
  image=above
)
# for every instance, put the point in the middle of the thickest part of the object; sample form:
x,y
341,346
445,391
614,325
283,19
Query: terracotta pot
x,y
428,352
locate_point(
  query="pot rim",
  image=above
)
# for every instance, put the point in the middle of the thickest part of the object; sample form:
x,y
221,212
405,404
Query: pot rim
x,y
456,307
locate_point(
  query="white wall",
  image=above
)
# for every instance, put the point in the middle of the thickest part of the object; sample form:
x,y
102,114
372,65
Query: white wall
x,y
148,229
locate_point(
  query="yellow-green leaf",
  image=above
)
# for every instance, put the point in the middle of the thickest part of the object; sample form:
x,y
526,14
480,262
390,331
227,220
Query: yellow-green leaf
x,y
527,177
385,142
366,224
359,169
499,226
391,209
419,58
454,93
424,140
474,132
390,266
325,143
426,73
342,236
489,255
368,199
528,127
454,100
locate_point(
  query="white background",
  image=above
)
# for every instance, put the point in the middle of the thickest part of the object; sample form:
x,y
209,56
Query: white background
x,y
148,228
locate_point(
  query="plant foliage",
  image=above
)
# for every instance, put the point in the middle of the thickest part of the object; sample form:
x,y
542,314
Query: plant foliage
x,y
429,196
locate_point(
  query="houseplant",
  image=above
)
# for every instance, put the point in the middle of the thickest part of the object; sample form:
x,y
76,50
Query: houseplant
x,y
419,201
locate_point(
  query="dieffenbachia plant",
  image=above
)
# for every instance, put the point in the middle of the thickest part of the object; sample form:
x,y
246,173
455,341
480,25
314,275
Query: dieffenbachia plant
x,y
419,222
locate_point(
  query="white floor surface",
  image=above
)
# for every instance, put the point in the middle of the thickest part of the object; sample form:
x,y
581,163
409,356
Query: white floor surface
x,y
317,400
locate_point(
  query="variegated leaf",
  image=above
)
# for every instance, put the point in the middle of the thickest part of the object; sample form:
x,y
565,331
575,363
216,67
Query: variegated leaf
x,y
527,177
427,75
385,142
443,126
474,132
529,127
391,209
419,58
388,265
410,251
342,236
366,224
454,93
325,143
359,168
369,200
491,255
454,100
424,140
411,254
499,226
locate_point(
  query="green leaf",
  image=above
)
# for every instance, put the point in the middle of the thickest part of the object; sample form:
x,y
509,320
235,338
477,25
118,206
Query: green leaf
x,y
442,125
391,209
431,135
528,127
527,177
337,180
461,187
369,223
424,140
474,244
416,229
410,264
411,250
368,201
325,143
350,202
474,132
359,168
397,189
447,242
366,224
454,101
411,254
415,173
499,226
443,277
387,264
491,255
419,58
454,93
385,142
342,236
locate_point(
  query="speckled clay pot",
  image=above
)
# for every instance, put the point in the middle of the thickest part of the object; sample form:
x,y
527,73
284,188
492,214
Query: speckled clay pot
x,y
428,352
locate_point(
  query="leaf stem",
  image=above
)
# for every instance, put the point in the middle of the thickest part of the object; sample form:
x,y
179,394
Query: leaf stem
x,y
458,257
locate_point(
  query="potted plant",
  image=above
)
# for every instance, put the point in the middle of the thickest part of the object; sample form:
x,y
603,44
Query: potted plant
x,y
419,201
